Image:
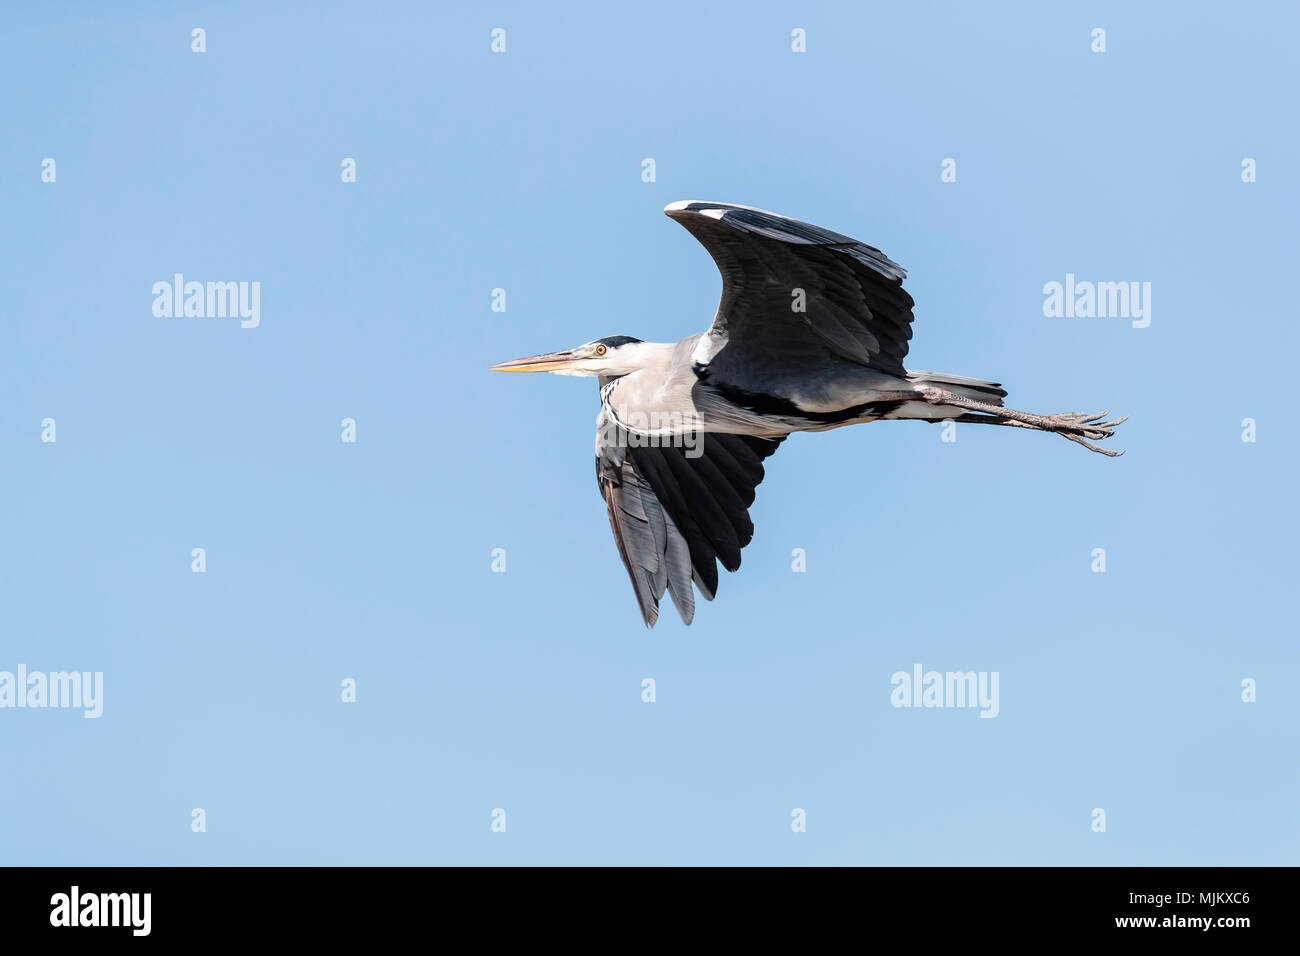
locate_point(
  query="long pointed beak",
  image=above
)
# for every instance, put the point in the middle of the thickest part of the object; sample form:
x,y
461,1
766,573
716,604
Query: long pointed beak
x,y
546,362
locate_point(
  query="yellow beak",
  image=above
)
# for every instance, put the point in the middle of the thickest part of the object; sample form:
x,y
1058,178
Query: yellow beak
x,y
546,362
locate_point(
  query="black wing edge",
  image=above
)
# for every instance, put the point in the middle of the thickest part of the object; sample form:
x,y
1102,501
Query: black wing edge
x,y
773,225
676,517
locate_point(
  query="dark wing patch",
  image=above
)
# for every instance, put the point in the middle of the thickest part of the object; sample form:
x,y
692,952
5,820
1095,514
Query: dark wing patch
x,y
675,517
854,301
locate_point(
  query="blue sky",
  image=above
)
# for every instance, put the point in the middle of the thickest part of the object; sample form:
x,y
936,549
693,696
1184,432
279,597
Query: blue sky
x,y
522,170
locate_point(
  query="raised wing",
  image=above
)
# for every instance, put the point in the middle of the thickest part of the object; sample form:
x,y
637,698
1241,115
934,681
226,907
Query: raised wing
x,y
854,305
675,517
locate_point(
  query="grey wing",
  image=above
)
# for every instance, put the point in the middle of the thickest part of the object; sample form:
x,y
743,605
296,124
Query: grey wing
x,y
855,307
676,514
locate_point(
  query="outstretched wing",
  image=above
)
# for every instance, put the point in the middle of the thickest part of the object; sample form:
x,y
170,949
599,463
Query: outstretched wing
x,y
677,512
853,301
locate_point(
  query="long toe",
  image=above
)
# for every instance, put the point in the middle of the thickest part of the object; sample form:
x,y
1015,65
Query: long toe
x,y
1110,453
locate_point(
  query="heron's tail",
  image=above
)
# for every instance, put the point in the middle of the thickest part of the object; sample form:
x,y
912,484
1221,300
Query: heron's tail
x,y
991,393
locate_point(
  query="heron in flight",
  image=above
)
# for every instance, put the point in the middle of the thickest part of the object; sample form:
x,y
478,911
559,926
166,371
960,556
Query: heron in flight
x,y
810,335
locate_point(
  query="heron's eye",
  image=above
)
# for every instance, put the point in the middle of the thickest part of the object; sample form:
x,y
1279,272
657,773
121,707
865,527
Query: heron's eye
x,y
600,350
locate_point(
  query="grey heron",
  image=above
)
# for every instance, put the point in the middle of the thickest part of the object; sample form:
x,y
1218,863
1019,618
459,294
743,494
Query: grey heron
x,y
810,334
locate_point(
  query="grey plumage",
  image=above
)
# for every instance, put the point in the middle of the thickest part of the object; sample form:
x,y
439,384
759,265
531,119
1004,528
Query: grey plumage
x,y
810,334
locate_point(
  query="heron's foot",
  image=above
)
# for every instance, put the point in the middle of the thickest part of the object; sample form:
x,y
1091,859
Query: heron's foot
x,y
1077,426
1087,426
1085,429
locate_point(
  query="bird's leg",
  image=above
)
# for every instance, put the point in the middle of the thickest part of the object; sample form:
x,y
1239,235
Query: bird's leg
x,y
1076,426
983,420
986,420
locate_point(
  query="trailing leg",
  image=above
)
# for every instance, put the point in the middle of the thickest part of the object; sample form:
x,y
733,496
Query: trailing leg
x,y
1076,426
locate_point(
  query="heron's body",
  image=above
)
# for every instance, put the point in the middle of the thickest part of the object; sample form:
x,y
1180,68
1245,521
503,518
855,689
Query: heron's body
x,y
810,334
844,393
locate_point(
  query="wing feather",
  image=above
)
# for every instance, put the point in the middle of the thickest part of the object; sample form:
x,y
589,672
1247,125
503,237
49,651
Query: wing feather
x,y
676,516
854,304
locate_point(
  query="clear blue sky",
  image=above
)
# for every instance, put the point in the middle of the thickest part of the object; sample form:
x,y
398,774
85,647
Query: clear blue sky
x,y
521,690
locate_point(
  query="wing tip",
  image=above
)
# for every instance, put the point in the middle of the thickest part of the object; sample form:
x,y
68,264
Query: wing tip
x,y
710,208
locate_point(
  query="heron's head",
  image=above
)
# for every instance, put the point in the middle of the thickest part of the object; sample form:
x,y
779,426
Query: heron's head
x,y
613,355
